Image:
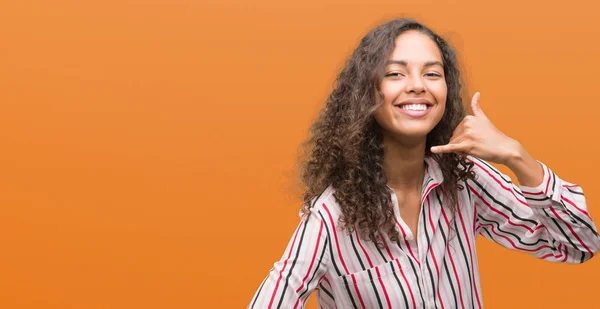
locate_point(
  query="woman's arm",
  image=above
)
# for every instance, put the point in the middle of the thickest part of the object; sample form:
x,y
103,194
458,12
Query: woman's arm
x,y
546,216
293,278
549,221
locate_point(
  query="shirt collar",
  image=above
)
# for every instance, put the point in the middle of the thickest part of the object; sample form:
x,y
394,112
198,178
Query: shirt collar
x,y
433,170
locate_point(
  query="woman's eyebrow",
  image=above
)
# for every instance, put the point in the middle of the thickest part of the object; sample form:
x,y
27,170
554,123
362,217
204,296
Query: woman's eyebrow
x,y
404,63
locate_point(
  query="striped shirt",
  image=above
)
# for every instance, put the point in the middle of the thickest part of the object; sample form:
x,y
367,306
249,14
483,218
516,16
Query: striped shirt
x,y
439,268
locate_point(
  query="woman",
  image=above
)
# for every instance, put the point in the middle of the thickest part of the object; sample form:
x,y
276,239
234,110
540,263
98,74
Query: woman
x,y
398,186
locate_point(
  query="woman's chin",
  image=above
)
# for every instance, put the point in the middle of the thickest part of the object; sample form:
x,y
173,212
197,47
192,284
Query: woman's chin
x,y
414,136
413,132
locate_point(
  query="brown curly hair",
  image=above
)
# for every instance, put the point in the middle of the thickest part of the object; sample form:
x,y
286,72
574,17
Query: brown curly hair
x,y
345,145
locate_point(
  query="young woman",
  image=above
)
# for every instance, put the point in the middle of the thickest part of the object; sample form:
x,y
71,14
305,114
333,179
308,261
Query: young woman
x,y
398,186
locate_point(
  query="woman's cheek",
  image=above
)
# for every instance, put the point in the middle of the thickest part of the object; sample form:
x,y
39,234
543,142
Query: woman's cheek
x,y
391,91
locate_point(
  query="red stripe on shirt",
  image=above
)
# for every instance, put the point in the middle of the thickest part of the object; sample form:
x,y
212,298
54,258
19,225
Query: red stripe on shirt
x,y
337,244
313,258
284,265
462,222
573,204
401,272
437,269
407,244
501,185
548,182
571,229
499,212
452,262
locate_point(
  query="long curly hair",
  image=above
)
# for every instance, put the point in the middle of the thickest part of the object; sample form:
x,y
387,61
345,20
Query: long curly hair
x,y
345,146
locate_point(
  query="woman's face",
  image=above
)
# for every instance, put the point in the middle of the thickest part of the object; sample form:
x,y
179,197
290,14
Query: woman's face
x,y
413,87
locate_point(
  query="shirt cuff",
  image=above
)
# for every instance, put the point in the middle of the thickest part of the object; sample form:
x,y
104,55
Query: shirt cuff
x,y
546,192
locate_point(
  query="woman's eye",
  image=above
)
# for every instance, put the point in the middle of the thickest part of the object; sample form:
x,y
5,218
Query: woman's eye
x,y
394,74
433,75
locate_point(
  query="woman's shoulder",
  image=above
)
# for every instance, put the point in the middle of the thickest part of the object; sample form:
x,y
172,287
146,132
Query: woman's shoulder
x,y
325,204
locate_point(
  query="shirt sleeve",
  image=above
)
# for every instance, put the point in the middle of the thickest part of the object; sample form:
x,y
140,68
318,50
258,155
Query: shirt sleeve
x,y
293,278
550,222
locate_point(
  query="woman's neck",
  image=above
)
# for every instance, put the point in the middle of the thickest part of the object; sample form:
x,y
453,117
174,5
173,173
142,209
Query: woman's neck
x,y
404,163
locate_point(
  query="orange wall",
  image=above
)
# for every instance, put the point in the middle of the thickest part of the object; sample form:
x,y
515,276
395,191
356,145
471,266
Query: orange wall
x,y
148,147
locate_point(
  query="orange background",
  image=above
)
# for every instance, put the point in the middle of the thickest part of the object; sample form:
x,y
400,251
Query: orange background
x,y
149,147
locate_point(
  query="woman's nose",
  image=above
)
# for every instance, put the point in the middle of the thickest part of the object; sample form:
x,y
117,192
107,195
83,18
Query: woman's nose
x,y
415,84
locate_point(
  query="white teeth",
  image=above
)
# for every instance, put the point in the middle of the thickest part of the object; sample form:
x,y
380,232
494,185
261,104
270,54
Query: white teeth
x,y
415,107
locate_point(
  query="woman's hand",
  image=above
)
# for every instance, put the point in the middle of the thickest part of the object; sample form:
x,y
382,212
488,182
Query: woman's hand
x,y
477,136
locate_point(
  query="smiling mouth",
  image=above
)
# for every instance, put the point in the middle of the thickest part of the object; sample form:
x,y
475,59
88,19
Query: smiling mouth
x,y
414,110
414,106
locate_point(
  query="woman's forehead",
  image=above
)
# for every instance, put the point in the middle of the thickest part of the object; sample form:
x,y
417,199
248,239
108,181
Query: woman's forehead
x,y
415,47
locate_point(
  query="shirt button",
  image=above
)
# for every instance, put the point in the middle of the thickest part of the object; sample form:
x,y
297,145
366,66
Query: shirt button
x,y
409,237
